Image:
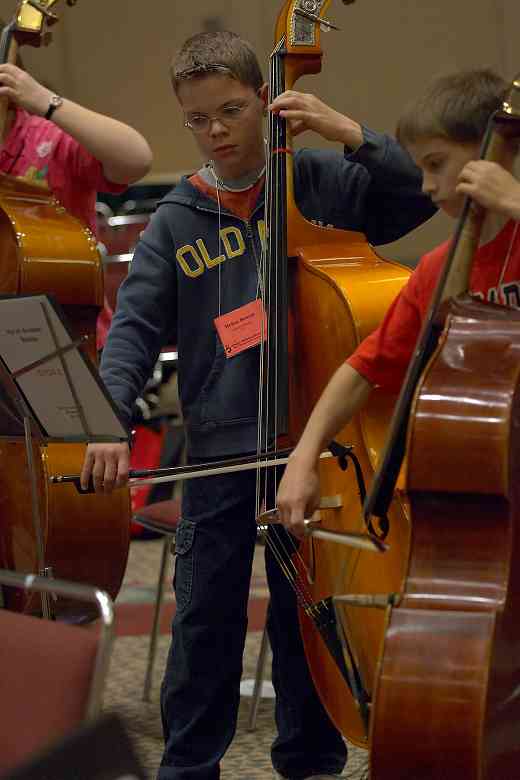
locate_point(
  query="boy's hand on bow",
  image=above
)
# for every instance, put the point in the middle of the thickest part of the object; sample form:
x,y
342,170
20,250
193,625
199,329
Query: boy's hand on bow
x,y
298,495
107,464
307,112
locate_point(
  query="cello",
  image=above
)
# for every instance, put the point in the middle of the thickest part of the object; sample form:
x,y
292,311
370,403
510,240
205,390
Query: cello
x,y
450,664
44,250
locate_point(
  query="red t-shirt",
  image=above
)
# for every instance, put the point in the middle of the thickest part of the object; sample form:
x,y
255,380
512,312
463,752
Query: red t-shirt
x,y
383,357
40,152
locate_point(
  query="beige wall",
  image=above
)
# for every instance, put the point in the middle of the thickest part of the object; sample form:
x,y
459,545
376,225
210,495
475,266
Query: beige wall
x,y
113,56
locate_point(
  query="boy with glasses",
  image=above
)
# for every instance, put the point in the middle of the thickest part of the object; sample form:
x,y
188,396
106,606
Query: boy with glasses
x,y
197,261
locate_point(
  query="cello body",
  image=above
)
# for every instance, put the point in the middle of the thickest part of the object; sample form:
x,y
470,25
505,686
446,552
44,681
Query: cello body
x,y
451,660
86,538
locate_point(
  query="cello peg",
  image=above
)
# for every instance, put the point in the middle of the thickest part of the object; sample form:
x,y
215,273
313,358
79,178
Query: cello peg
x,y
50,17
325,25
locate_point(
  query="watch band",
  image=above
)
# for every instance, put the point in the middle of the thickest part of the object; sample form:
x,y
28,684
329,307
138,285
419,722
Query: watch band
x,y
55,102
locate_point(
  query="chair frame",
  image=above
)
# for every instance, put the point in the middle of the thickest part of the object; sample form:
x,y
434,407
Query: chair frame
x,y
46,585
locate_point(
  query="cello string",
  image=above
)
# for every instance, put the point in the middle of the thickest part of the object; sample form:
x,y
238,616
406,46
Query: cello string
x,y
268,251
267,256
273,254
263,297
263,342
314,610
282,534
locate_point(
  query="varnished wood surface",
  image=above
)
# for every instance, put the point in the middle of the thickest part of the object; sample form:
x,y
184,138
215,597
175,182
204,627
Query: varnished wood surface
x,y
451,660
45,250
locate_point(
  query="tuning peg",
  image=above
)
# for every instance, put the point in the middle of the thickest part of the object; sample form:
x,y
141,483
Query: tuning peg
x,y
324,23
50,17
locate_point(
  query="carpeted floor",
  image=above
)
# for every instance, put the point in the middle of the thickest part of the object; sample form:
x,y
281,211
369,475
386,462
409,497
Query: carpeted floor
x,y
248,757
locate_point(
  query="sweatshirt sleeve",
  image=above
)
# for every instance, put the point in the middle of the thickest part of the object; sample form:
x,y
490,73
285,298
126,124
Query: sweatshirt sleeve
x,y
375,190
393,202
144,318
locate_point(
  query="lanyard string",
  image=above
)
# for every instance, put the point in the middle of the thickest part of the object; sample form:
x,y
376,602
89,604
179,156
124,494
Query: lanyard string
x,y
219,244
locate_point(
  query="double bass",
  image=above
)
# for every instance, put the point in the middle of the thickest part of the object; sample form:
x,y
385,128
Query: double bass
x,y
45,250
447,701
338,289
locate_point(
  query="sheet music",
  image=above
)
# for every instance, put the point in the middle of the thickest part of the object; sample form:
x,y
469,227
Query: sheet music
x,y
28,326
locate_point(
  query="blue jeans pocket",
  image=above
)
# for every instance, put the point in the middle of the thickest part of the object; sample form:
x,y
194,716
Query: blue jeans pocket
x,y
183,577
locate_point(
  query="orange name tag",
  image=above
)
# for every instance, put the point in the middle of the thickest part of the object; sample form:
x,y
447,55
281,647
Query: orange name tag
x,y
242,328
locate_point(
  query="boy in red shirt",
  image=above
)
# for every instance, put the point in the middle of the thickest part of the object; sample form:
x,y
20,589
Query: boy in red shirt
x,y
442,131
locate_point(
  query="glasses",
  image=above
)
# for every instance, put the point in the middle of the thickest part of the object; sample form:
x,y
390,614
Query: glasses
x,y
200,123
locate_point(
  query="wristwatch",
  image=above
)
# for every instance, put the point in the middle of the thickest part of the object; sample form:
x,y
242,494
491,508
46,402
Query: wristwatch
x,y
55,102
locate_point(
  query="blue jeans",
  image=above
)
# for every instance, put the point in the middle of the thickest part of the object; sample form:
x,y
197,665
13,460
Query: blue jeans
x,y
201,688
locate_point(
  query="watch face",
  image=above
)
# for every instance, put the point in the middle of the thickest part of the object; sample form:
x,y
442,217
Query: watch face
x,y
56,101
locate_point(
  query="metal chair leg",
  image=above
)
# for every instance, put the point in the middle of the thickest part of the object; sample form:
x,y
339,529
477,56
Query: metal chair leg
x,y
156,616
259,680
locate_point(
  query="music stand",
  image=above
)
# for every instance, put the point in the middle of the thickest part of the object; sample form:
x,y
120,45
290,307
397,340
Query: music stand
x,y
49,391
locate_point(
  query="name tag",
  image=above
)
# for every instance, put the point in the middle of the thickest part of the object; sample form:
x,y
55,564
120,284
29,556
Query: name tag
x,y
242,328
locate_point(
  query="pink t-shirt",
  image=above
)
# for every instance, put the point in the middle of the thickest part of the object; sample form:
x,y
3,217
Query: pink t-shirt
x,y
39,152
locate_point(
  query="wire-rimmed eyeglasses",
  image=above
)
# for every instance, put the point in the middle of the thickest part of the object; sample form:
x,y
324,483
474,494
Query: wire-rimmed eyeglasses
x,y
200,123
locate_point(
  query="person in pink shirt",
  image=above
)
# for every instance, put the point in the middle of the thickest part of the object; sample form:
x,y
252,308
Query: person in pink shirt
x,y
443,132
71,150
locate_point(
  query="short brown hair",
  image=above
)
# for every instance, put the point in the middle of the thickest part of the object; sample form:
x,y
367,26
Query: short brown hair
x,y
214,52
455,106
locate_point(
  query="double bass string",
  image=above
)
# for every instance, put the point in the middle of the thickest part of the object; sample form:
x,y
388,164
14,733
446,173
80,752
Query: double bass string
x,y
274,253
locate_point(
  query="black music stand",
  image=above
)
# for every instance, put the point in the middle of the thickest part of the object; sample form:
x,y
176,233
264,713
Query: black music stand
x,y
49,391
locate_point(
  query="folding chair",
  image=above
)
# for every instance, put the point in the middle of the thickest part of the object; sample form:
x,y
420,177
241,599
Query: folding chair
x,y
258,682
52,674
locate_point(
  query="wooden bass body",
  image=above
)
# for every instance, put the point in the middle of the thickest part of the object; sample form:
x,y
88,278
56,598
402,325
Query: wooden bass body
x,y
340,291
447,701
45,250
